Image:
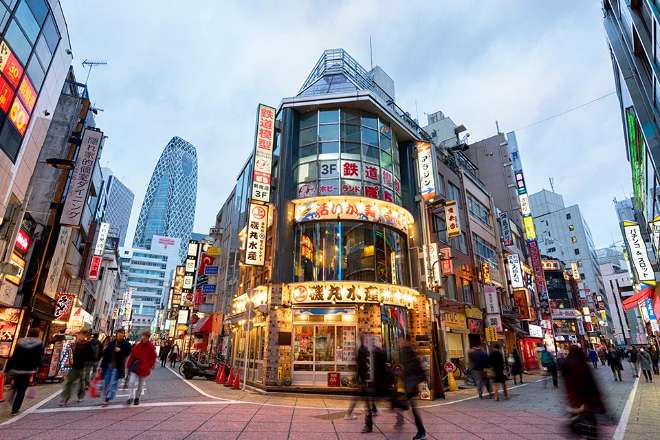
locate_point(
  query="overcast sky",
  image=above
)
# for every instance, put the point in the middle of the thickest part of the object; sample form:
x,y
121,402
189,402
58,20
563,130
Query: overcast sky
x,y
198,69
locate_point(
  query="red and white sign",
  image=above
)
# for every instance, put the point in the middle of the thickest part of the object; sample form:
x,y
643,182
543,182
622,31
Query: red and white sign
x,y
372,191
387,177
263,153
63,306
351,188
255,247
350,169
446,263
95,267
22,241
370,172
425,171
452,219
388,195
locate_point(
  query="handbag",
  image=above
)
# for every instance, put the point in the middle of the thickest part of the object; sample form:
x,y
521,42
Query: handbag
x,y
490,373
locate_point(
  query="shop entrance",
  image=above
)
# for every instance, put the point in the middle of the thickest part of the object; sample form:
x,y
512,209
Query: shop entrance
x,y
394,324
255,364
324,341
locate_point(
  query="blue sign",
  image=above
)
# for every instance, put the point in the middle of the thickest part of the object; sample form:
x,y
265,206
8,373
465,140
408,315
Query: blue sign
x,y
211,270
208,288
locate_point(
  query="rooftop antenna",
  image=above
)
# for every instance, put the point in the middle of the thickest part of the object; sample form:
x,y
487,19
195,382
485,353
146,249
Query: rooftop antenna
x,y
371,53
497,126
552,183
92,63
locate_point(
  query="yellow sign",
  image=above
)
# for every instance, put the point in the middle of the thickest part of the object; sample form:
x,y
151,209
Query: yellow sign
x,y
213,251
452,219
17,261
485,272
342,292
530,231
455,321
491,333
473,312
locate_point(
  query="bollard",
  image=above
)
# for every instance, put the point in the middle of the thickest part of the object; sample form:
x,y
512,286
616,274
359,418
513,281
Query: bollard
x,y
451,381
237,380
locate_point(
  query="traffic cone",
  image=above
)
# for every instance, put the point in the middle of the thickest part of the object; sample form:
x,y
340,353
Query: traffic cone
x,y
230,378
220,377
2,386
451,381
237,380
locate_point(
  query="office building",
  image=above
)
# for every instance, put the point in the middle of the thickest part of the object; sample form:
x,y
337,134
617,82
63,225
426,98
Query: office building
x,y
147,275
119,204
618,285
168,208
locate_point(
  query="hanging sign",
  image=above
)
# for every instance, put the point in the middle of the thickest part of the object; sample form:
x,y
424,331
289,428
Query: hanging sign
x,y
452,219
425,171
190,267
95,267
520,299
101,239
638,254
505,227
63,306
255,249
433,275
485,272
263,153
515,271
57,262
655,232
525,207
491,300
446,263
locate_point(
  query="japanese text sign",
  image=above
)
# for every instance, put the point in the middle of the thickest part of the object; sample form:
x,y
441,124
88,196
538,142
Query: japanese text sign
x,y
505,228
515,271
452,219
64,303
335,292
425,170
638,254
491,299
263,153
27,94
102,238
6,95
95,267
255,247
19,116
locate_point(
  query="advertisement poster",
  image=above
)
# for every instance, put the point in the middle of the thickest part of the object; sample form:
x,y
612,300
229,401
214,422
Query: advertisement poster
x,y
10,321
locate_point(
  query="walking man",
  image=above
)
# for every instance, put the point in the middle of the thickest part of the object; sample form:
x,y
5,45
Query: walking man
x,y
634,360
113,364
593,357
413,374
479,362
164,352
614,360
496,362
548,361
363,378
645,364
82,356
140,363
25,362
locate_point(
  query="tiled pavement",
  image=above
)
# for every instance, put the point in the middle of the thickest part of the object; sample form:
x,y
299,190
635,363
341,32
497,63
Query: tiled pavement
x,y
644,421
533,412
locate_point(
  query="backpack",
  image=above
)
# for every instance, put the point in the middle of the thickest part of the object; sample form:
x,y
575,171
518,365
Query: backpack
x,y
546,359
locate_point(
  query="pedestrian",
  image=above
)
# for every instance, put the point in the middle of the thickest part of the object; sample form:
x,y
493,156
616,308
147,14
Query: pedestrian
x,y
496,362
634,360
646,364
413,375
582,394
97,349
516,366
479,364
602,354
549,363
113,364
593,357
25,362
164,352
655,357
362,358
140,363
174,355
614,361
83,355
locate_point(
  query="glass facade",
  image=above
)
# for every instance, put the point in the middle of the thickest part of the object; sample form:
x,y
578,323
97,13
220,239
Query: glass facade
x,y
29,40
118,206
169,204
347,151
352,251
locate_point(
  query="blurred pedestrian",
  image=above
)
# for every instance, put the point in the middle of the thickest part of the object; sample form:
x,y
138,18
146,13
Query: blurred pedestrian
x,y
25,362
550,364
496,362
82,355
92,365
516,367
140,363
614,361
646,364
413,375
479,364
174,355
593,357
602,354
582,394
164,352
655,357
113,364
363,378
634,360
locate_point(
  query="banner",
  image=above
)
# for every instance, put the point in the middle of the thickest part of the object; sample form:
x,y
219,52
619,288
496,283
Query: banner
x,y
101,239
263,153
57,262
433,275
452,219
515,271
255,248
638,254
425,170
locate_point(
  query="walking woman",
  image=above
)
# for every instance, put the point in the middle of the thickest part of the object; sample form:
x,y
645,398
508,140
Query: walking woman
x,y
516,367
646,364
496,361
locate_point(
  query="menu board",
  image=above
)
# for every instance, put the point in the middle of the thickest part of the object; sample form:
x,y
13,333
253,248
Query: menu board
x,y
10,320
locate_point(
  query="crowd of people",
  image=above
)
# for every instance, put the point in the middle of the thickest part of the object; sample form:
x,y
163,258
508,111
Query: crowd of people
x,y
644,358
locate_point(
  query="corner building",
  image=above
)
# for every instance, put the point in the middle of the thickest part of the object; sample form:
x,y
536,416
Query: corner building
x,y
343,237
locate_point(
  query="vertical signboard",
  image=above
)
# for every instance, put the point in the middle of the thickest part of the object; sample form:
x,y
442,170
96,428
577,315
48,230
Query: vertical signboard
x,y
64,303
255,248
190,266
425,171
515,271
505,228
638,254
57,262
95,267
263,153
433,275
101,239
446,262
452,219
492,301
655,233
81,177
637,150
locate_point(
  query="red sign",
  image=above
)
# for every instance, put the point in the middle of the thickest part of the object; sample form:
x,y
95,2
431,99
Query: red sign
x,y
27,94
6,95
263,153
520,299
19,116
13,70
22,240
334,379
95,267
63,306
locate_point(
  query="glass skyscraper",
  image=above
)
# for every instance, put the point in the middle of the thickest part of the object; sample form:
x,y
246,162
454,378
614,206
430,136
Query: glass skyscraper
x,y
119,203
169,204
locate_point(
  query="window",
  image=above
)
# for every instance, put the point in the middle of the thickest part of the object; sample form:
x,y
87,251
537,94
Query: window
x,y
568,216
571,227
468,294
18,42
552,249
478,210
27,21
51,33
573,239
484,250
453,193
36,72
39,10
577,251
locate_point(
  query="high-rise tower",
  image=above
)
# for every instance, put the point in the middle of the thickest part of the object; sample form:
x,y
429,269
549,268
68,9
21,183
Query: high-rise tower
x,y
169,203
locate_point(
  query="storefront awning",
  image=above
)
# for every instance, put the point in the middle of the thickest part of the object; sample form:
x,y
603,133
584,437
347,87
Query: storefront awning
x,y
204,325
632,301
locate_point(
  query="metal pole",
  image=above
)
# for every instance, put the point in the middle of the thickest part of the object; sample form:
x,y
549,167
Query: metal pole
x,y
247,341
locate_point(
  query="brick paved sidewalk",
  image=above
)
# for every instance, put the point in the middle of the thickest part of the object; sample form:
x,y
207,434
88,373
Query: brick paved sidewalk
x,y
644,421
41,392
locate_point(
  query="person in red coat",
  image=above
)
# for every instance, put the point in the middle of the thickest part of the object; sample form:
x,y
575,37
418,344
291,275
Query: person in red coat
x,y
140,363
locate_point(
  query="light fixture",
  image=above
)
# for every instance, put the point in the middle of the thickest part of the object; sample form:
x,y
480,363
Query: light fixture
x,y
46,113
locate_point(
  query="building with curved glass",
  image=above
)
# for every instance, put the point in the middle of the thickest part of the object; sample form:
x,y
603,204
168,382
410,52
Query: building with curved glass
x,y
169,203
342,234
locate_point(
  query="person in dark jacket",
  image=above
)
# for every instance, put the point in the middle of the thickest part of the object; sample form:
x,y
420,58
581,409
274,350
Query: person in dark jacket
x,y
634,361
479,363
550,363
614,361
593,357
582,394
25,362
82,356
164,351
413,375
113,364
655,358
516,367
364,379
496,361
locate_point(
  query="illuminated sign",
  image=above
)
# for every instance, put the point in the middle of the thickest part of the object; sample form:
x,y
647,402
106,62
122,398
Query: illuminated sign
x,y
505,227
637,151
452,219
101,239
575,270
334,292
19,116
19,262
81,177
64,303
254,298
446,263
515,271
535,331
263,153
213,251
22,240
485,272
550,265
565,314
353,208
255,249
433,275
6,95
524,205
530,232
12,68
95,267
638,254
520,299
425,170
492,300
190,266
27,94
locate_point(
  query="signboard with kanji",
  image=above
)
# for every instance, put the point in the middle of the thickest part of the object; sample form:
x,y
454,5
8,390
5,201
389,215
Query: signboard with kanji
x,y
505,228
515,271
263,153
452,219
425,170
64,303
491,334
95,267
255,247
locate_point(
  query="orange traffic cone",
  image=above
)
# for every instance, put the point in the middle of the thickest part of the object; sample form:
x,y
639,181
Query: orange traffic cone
x,y
237,380
2,386
230,378
220,377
